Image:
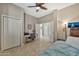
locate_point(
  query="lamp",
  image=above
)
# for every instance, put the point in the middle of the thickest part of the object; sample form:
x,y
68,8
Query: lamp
x,y
65,30
65,26
65,23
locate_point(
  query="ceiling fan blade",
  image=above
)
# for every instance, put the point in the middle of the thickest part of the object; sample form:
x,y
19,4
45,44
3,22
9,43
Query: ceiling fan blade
x,y
39,4
42,7
31,6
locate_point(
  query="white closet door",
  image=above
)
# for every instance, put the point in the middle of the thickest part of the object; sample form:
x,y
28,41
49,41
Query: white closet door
x,y
12,32
51,31
4,39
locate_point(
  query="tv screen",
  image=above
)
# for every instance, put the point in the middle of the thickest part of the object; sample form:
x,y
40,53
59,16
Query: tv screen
x,y
73,24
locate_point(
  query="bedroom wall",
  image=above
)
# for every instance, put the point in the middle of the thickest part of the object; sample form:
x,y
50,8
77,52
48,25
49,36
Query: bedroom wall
x,y
29,20
67,14
46,18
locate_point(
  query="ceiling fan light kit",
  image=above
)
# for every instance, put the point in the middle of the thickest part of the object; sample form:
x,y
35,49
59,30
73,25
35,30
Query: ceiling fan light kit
x,y
37,7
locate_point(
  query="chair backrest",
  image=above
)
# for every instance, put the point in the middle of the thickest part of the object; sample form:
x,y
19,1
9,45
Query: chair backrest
x,y
26,33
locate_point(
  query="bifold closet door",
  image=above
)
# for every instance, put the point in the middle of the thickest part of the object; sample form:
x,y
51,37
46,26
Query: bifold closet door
x,y
51,31
12,32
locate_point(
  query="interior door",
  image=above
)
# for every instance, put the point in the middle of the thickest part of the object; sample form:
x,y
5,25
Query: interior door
x,y
51,31
12,32
46,31
37,31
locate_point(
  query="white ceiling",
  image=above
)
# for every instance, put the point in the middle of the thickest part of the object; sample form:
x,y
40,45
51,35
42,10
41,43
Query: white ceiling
x,y
50,6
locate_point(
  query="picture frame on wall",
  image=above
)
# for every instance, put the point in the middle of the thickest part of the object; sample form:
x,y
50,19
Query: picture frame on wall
x,y
29,26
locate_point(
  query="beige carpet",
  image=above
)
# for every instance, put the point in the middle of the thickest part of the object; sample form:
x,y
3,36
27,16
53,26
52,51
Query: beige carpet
x,y
29,49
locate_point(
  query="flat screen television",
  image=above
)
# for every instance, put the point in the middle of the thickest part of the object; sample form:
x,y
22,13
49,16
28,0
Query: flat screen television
x,y
73,24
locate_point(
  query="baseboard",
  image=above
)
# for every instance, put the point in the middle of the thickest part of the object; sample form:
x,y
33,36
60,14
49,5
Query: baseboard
x,y
61,39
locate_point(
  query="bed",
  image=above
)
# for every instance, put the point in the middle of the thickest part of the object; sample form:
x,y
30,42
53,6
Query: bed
x,y
63,48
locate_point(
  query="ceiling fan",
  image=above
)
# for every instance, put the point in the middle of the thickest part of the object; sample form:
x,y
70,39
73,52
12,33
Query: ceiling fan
x,y
38,6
